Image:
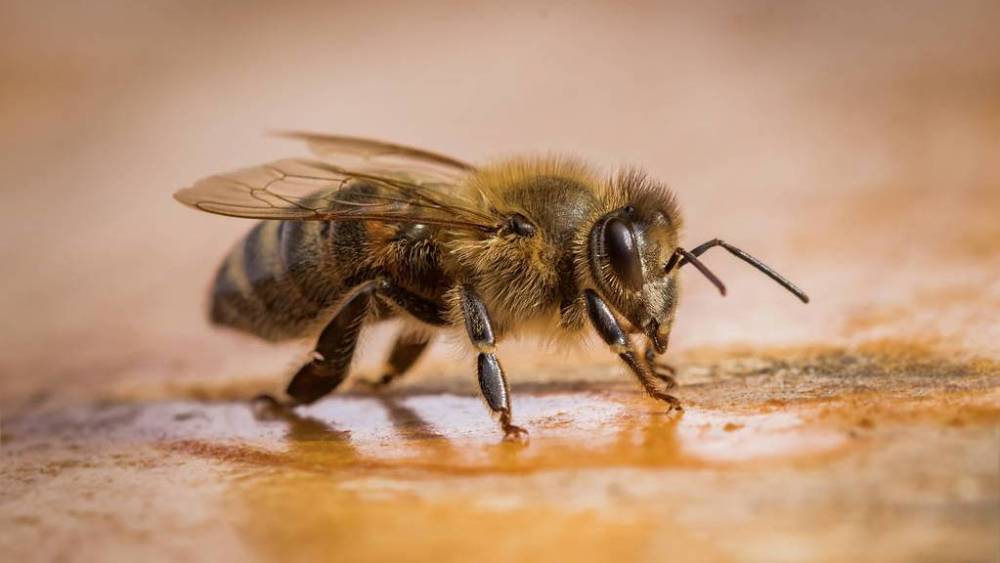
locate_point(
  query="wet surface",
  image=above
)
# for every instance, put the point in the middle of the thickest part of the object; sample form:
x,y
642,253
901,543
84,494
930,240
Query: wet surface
x,y
810,456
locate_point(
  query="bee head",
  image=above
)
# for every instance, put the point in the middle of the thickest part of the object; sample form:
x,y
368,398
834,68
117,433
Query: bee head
x,y
634,256
629,248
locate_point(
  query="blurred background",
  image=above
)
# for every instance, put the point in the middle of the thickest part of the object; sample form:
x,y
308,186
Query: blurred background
x,y
852,145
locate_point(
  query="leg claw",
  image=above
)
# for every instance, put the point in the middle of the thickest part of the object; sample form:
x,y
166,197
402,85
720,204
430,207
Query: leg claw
x,y
266,407
674,402
515,434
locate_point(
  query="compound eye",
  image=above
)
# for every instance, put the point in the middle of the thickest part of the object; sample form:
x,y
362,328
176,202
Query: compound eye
x,y
619,244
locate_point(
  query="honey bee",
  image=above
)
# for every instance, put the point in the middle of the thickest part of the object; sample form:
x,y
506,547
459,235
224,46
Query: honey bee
x,y
369,231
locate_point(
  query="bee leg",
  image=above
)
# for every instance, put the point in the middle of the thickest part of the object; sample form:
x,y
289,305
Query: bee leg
x,y
420,308
613,335
266,407
405,352
408,346
334,349
660,370
492,381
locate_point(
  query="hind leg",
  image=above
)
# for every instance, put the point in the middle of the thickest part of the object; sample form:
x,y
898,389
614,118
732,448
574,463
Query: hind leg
x,y
334,349
333,354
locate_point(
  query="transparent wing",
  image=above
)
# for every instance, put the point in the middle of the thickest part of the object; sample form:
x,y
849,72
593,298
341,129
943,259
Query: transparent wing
x,y
414,165
311,190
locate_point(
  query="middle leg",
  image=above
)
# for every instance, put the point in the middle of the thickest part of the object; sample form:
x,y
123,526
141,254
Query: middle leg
x,y
492,381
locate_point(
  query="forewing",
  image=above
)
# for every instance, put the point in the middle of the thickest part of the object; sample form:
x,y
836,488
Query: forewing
x,y
414,165
310,190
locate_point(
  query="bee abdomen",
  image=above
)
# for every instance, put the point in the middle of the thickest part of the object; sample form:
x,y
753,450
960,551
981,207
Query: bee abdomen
x,y
275,282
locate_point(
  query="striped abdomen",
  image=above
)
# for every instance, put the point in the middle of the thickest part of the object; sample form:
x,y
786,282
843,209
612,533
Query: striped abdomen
x,y
280,279
283,279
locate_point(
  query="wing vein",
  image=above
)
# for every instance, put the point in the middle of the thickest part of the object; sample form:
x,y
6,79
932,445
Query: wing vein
x,y
412,186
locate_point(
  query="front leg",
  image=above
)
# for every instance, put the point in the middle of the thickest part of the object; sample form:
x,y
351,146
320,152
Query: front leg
x,y
611,332
660,369
491,377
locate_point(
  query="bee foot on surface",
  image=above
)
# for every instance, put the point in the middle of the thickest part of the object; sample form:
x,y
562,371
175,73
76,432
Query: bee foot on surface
x,y
674,402
515,434
266,407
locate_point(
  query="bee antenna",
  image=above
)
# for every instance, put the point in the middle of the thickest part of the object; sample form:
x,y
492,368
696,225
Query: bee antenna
x,y
760,266
690,258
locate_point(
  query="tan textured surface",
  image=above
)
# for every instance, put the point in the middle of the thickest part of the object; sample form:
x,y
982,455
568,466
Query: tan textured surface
x,y
851,146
